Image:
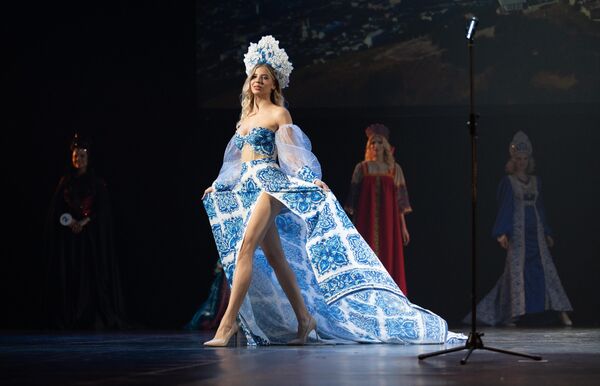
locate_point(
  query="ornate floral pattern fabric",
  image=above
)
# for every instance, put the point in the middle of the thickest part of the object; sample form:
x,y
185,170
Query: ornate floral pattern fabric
x,y
260,138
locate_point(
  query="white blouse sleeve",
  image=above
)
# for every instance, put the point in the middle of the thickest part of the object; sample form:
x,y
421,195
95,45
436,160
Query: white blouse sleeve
x,y
295,155
232,165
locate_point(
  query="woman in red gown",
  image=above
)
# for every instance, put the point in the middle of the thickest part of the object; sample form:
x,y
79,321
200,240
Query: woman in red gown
x,y
378,202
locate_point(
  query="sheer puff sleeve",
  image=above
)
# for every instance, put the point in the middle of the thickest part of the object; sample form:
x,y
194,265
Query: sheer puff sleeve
x,y
230,171
295,155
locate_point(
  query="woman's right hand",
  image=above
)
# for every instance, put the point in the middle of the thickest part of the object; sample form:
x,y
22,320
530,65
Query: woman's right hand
x,y
210,189
503,240
77,226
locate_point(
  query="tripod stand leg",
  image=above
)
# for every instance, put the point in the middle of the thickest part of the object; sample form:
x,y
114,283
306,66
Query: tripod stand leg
x,y
534,357
464,360
432,354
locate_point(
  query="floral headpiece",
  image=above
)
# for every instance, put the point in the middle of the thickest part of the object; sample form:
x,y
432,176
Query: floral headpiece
x,y
520,144
267,51
379,129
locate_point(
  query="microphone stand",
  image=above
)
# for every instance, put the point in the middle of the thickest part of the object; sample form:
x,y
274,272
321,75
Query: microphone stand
x,y
474,341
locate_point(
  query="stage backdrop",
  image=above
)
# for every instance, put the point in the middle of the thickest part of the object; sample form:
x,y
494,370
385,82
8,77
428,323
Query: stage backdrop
x,y
405,64
157,85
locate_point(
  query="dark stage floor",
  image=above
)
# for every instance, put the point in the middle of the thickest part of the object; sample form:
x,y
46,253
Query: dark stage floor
x,y
571,356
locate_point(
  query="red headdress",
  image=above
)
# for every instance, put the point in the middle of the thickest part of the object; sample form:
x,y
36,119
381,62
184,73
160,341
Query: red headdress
x,y
379,129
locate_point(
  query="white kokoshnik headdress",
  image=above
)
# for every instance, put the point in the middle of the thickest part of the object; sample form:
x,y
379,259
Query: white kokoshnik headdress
x,y
267,51
520,144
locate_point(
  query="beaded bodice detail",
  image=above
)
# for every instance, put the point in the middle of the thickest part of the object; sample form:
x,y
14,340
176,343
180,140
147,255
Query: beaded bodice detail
x,y
261,139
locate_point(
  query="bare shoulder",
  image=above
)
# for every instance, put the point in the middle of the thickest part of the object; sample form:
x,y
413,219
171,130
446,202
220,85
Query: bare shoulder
x,y
281,115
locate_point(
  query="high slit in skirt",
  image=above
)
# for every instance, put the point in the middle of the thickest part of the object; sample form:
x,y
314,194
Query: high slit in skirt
x,y
343,283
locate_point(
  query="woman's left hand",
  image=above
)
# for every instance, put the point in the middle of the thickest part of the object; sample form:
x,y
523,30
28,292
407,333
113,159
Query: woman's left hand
x,y
208,190
321,185
77,226
405,236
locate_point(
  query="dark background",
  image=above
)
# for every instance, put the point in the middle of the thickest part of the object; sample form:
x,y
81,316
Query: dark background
x,y
126,74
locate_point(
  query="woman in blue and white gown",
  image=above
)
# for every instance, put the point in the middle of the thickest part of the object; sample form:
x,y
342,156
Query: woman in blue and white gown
x,y
295,262
530,283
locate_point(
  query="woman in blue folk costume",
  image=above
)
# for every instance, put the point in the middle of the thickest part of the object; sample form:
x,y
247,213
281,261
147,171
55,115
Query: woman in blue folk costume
x,y
530,282
295,262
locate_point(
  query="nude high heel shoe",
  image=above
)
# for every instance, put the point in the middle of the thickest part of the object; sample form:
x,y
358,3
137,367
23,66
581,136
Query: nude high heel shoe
x,y
565,320
223,342
303,334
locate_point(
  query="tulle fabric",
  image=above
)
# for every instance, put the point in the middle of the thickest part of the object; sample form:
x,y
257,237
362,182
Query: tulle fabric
x,y
295,151
231,168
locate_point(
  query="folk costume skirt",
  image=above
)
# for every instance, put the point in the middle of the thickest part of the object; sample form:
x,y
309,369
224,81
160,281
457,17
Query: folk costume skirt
x,y
343,283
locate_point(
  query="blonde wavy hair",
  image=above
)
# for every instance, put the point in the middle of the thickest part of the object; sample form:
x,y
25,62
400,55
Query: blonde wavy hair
x,y
511,165
388,153
247,98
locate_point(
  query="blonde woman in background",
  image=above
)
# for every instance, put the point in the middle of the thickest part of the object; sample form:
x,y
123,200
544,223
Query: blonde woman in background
x,y
379,201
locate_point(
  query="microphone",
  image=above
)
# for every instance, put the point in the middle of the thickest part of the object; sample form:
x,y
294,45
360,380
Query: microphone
x,y
66,219
471,28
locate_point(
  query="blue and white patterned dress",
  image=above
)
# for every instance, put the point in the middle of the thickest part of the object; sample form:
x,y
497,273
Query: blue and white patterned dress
x,y
344,285
530,282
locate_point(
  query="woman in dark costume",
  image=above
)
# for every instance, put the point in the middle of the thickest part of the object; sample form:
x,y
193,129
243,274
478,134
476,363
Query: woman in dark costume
x,y
83,287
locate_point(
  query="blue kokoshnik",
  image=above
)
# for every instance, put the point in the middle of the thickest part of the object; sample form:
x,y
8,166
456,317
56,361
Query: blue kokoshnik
x,y
344,285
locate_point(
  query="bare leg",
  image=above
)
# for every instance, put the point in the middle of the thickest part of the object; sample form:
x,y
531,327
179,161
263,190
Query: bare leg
x,y
264,213
271,246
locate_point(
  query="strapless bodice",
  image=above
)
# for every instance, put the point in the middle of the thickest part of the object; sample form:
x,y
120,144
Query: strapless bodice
x,y
261,139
